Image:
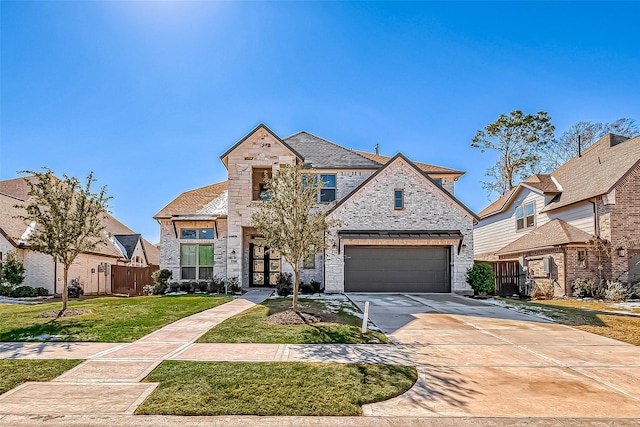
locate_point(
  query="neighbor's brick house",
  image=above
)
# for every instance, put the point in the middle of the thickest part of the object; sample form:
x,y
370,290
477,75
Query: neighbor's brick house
x,y
403,228
122,247
547,223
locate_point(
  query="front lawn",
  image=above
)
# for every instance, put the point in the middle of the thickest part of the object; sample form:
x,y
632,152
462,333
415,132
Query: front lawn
x,y
112,319
15,372
339,325
238,388
586,316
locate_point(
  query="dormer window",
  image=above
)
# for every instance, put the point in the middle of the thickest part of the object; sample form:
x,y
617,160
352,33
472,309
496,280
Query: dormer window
x,y
526,216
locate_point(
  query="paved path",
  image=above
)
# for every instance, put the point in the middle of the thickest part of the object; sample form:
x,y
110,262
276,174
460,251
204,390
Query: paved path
x,y
481,360
109,381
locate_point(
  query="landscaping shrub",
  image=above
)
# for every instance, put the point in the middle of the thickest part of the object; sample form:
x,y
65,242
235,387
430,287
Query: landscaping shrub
x,y
186,287
589,288
42,292
305,288
12,270
75,289
23,291
216,285
174,287
233,285
284,285
203,285
542,289
5,290
148,290
617,292
633,289
316,286
161,281
480,278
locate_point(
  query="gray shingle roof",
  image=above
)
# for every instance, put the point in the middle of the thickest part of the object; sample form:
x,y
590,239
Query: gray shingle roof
x,y
128,242
320,153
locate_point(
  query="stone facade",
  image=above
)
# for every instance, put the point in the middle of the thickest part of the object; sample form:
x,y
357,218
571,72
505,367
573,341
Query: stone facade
x,y
426,208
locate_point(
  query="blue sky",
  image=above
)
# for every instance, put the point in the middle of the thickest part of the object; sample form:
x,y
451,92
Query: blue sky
x,y
149,94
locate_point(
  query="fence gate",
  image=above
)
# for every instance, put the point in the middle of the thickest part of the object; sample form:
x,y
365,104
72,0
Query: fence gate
x,y
130,280
507,277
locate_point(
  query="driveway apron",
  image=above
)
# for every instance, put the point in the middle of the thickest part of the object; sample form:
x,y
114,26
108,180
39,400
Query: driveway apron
x,y
480,360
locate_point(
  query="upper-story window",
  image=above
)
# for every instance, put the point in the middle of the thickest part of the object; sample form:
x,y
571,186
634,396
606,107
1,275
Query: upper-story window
x,y
200,233
526,216
259,179
398,198
328,190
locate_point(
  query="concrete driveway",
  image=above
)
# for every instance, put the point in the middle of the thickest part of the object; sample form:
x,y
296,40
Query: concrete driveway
x,y
480,360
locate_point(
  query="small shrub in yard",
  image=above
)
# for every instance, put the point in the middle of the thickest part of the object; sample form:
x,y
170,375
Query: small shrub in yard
x,y
203,286
42,292
161,281
216,285
633,289
542,289
186,286
233,285
480,278
5,290
174,287
316,286
617,292
75,289
23,291
148,290
306,288
589,288
12,270
284,285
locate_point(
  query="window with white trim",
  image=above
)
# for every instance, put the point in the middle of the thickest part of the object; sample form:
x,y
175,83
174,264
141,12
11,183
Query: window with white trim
x,y
328,190
398,198
526,216
196,262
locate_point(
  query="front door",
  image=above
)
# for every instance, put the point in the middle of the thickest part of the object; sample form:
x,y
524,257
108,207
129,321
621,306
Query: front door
x,y
264,266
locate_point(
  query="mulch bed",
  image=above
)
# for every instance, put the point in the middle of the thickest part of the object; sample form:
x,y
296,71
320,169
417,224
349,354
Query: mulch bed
x,y
67,313
290,317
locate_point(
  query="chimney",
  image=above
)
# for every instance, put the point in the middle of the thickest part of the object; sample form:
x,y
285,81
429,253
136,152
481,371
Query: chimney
x,y
377,148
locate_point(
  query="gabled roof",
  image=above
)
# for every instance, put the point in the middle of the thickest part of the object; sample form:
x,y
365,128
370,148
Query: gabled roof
x,y
597,171
151,252
425,167
128,243
15,192
256,129
319,153
553,233
190,202
420,172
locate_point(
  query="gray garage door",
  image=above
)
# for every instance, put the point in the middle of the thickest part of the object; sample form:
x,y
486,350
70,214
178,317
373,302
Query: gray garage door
x,y
397,269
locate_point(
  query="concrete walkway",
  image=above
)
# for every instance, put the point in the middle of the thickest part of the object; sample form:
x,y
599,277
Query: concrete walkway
x,y
481,360
109,381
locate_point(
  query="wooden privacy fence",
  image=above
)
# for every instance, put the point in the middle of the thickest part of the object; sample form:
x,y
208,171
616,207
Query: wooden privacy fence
x,y
130,280
507,277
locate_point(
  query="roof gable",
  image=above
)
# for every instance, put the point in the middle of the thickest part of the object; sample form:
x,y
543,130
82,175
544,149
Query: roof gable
x,y
401,157
193,201
554,233
264,128
128,243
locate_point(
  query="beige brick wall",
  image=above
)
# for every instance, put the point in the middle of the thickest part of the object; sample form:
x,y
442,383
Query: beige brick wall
x,y
426,208
625,223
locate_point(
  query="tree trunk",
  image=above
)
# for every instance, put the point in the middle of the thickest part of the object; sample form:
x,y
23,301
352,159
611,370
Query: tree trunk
x,y
296,273
65,288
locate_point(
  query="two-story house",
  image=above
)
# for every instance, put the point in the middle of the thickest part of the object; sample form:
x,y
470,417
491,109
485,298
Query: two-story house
x,y
403,231
551,224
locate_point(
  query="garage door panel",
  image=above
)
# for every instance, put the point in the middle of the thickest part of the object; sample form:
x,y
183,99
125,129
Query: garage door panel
x,y
397,269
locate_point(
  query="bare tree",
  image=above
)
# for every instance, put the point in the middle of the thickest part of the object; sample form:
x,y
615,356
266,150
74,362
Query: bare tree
x,y
289,221
519,139
65,218
585,134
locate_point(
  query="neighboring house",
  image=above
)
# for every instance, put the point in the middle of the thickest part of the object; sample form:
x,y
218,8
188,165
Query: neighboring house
x,y
122,247
548,223
404,230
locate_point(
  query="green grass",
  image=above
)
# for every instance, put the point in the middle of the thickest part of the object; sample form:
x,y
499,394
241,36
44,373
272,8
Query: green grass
x,y
252,326
112,319
234,388
15,372
576,314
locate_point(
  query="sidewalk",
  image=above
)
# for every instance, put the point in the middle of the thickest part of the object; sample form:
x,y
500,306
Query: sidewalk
x,y
109,381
